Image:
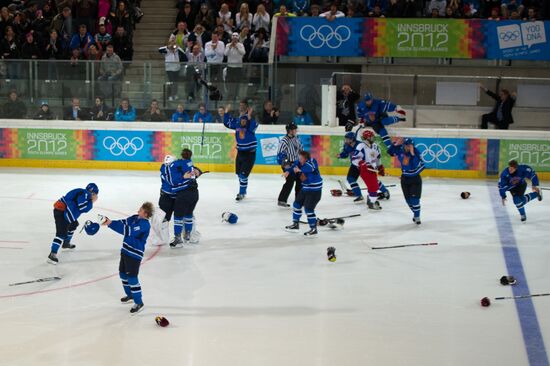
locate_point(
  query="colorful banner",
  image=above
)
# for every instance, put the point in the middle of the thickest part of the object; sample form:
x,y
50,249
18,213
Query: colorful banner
x,y
429,38
514,40
535,153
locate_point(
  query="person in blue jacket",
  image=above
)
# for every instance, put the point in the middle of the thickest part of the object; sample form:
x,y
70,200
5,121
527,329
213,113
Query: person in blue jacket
x,y
180,115
245,133
125,112
66,212
411,167
302,117
307,169
512,179
202,116
135,230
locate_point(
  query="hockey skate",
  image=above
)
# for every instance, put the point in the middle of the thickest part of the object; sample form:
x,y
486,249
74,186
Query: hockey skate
x,y
416,220
359,199
311,233
293,228
240,197
67,245
52,258
126,300
177,242
523,218
539,194
136,308
384,195
283,204
374,205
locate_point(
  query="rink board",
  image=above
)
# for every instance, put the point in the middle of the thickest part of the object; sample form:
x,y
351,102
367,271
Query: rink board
x,y
142,146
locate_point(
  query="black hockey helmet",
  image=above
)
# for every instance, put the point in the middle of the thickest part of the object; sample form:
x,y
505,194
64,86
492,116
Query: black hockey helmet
x,y
291,126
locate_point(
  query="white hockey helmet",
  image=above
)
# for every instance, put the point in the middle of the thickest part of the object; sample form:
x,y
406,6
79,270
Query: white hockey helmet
x,y
169,159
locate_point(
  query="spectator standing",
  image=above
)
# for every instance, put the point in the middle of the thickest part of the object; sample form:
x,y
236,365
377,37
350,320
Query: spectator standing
x,y
202,116
260,47
246,40
74,112
224,18
396,8
199,36
11,52
111,66
214,52
222,34
501,115
30,49
125,112
235,52
53,52
440,5
122,44
63,24
82,40
283,12
121,18
333,13
180,115
86,11
102,37
153,113
14,108
181,35
205,18
187,16
270,114
243,17
6,19
261,19
173,57
93,54
44,112
300,7
302,117
195,69
345,105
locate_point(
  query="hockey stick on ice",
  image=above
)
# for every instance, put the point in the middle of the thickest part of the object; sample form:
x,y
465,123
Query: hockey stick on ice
x,y
545,188
332,219
349,192
520,297
403,246
45,279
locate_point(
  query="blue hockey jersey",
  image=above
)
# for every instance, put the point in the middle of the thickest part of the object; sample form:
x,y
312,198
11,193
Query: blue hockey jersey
x,y
347,151
135,231
176,172
310,170
165,185
245,136
78,201
411,165
377,110
509,181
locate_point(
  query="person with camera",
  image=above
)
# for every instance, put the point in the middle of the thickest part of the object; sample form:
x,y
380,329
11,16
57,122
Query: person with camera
x,y
173,57
271,114
235,52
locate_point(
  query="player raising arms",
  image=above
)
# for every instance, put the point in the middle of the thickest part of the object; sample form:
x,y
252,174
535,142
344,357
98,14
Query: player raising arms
x,y
513,179
66,212
307,170
352,148
411,167
135,230
245,134
183,178
374,113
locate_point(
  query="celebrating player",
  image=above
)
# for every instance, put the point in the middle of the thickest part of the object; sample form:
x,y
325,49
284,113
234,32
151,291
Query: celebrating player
x,y
411,167
167,198
245,134
307,170
374,113
352,148
66,212
513,179
183,179
289,148
135,230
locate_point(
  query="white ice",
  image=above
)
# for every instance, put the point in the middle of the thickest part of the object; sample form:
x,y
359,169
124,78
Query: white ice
x,y
252,294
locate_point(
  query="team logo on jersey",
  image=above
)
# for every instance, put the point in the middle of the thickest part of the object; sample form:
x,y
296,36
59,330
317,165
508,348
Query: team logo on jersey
x,y
137,228
123,145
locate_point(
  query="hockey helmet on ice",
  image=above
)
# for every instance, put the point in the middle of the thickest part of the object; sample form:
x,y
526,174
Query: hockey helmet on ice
x,y
230,217
92,187
91,228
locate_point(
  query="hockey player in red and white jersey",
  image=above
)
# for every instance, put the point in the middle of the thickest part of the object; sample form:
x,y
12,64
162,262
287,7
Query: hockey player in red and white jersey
x,y
370,166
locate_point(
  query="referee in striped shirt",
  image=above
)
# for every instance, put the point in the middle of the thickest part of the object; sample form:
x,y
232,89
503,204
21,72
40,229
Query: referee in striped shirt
x,y
289,149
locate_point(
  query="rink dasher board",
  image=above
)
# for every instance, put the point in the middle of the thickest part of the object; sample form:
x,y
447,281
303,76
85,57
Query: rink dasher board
x,y
451,153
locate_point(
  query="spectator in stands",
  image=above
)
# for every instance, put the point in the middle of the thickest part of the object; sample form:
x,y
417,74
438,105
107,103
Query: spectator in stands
x,y
100,112
315,10
86,11
261,19
187,16
439,5
246,40
111,66
220,115
501,115
180,115
270,113
395,8
181,34
196,66
153,113
299,7
173,57
260,47
283,12
243,108
302,117
202,116
122,44
21,25
93,54
104,10
222,34
11,52
332,13
206,18
40,26
125,112
63,24
74,112
14,108
48,12
531,14
513,5
495,14
214,52
243,17
345,105
371,4
199,36
6,19
102,37
235,53
224,18
82,40
44,112
30,49
121,18
450,13
376,12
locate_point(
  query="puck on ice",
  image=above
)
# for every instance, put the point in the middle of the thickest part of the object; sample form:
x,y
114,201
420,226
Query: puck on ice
x,y
485,302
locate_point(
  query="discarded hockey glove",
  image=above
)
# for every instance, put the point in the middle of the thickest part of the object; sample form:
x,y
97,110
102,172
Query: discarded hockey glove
x,y
331,254
91,228
162,321
508,280
336,192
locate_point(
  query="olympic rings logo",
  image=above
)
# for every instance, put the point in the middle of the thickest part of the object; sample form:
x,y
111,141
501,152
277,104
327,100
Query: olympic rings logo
x,y
270,146
509,36
325,35
437,152
123,145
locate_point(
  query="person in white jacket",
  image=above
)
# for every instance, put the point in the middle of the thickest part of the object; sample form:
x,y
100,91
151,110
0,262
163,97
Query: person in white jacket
x,y
332,14
261,19
173,57
235,52
214,52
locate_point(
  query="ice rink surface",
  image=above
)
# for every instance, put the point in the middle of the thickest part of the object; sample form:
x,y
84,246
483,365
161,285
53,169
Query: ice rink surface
x,y
252,294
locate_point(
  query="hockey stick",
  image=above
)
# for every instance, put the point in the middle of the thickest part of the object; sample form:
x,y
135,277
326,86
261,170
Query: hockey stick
x,y
333,219
45,279
403,246
520,297
349,192
545,189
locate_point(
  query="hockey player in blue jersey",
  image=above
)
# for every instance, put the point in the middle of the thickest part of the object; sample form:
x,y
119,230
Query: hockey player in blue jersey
x,y
309,196
167,198
512,179
135,230
66,212
374,113
245,133
411,167
183,179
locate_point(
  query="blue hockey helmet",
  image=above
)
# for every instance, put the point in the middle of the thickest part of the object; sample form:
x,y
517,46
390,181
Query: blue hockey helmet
x,y
230,217
350,136
92,187
408,141
91,228
368,96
